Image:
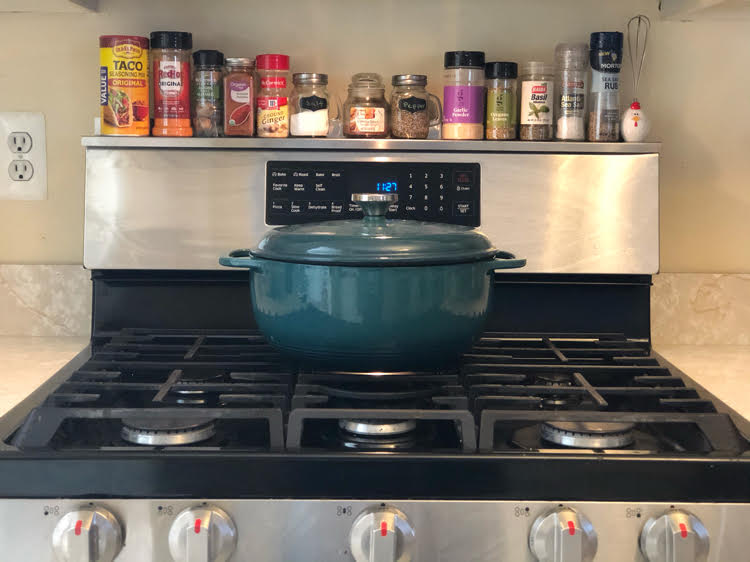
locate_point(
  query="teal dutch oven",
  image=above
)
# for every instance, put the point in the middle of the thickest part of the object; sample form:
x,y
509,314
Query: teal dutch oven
x,y
372,294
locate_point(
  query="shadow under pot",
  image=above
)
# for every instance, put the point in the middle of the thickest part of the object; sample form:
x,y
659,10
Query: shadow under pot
x,y
374,294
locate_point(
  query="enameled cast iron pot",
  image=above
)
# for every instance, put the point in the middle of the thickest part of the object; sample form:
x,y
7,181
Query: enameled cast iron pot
x,y
372,294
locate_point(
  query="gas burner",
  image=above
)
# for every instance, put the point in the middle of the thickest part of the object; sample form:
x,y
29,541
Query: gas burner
x,y
167,431
589,435
378,435
186,397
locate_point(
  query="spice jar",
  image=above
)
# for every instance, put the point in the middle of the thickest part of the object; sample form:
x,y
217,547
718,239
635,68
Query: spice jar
x,y
412,106
208,93
273,103
537,94
570,102
170,64
309,105
366,113
502,100
239,97
606,60
463,95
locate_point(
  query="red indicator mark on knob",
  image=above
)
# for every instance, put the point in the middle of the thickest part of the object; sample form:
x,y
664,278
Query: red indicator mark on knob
x,y
571,528
79,524
383,529
683,530
197,526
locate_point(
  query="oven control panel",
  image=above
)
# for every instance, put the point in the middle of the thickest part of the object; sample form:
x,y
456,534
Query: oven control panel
x,y
298,192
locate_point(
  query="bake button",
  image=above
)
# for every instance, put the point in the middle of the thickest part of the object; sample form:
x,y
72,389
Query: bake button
x,y
319,176
298,186
463,176
463,188
319,187
280,174
296,206
318,207
279,186
303,174
337,207
410,208
463,209
279,206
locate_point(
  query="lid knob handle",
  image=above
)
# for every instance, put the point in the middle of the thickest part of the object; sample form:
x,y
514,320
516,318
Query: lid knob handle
x,y
374,204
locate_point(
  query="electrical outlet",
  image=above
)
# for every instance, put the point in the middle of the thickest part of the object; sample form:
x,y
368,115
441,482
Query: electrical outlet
x,y
24,156
19,141
20,170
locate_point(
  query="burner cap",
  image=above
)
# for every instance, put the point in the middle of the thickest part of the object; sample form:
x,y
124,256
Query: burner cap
x,y
167,431
378,428
589,435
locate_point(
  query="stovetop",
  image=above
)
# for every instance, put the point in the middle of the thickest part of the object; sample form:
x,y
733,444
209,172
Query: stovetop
x,y
221,392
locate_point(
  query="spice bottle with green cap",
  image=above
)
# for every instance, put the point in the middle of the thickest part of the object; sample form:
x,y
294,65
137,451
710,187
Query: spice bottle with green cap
x,y
502,100
463,95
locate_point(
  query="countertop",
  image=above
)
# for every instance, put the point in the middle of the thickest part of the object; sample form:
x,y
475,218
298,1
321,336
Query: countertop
x,y
26,362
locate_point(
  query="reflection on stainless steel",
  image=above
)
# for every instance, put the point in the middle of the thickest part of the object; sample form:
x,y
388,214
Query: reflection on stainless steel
x,y
170,208
300,530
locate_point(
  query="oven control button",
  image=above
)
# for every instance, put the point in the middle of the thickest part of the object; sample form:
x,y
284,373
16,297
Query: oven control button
x,y
90,534
563,535
381,534
674,536
202,534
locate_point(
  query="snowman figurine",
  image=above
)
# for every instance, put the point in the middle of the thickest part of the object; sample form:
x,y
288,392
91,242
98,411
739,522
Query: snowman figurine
x,y
635,125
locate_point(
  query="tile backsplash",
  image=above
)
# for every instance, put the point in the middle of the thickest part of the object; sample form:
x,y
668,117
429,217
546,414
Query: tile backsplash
x,y
686,308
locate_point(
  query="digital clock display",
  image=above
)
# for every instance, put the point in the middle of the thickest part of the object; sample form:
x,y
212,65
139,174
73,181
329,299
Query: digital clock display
x,y
386,186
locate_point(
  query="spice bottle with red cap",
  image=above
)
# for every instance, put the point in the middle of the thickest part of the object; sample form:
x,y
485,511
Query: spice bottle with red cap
x,y
273,102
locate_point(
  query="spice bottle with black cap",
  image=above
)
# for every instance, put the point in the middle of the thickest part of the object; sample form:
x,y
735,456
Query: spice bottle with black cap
x,y
606,61
463,95
502,100
208,93
170,76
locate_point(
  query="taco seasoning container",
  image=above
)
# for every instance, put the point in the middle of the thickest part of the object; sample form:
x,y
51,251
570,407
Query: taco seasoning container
x,y
502,100
606,61
170,75
239,97
208,93
123,85
273,103
570,102
309,105
413,110
366,113
537,96
463,95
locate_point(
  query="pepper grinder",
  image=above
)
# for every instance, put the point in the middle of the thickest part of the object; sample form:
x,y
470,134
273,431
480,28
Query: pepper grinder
x,y
635,125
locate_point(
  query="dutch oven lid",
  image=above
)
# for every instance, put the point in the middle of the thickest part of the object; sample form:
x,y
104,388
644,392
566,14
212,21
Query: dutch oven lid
x,y
375,240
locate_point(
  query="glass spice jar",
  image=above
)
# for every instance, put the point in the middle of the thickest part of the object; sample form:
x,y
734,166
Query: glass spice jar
x,y
366,113
208,93
463,95
537,95
310,105
570,101
273,103
239,97
413,110
170,75
502,100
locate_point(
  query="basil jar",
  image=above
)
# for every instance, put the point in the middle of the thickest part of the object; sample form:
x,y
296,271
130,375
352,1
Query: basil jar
x,y
413,110
310,105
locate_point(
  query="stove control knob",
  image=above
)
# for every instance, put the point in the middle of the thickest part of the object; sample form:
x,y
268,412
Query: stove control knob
x,y
563,535
381,534
89,534
674,536
202,534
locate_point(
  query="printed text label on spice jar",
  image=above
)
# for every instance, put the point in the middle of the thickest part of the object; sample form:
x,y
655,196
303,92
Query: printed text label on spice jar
x,y
535,102
463,104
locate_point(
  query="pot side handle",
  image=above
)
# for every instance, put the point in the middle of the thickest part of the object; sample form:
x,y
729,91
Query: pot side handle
x,y
240,258
505,260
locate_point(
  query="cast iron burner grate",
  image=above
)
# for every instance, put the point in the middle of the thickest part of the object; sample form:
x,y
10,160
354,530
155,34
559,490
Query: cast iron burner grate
x,y
525,387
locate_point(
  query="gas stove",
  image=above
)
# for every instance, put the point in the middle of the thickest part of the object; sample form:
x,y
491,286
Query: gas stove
x,y
180,434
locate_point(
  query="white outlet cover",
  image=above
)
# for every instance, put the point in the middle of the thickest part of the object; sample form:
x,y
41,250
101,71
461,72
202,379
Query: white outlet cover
x,y
33,124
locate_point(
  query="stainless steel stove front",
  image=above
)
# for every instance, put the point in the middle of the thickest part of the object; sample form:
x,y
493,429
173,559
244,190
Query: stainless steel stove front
x,y
155,530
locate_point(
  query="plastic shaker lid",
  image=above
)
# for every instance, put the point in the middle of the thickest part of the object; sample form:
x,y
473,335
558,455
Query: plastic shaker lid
x,y
272,62
171,40
454,59
501,70
208,57
606,40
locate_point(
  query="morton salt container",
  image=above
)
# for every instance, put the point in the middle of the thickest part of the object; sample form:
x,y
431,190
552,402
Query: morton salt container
x,y
123,85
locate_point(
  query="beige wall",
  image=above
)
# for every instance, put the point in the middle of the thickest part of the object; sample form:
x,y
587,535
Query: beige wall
x,y
695,88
